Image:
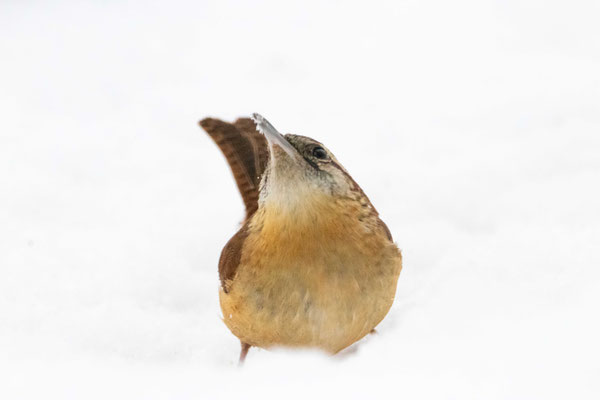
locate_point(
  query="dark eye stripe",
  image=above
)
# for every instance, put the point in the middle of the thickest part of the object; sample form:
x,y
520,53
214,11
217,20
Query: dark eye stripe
x,y
312,164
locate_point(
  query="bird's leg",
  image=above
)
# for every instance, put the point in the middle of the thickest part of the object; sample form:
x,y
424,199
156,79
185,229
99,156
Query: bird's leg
x,y
244,352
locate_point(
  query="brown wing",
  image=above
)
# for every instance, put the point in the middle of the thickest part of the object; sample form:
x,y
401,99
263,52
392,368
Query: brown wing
x,y
246,152
230,257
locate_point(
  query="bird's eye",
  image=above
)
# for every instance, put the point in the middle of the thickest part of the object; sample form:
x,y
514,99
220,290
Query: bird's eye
x,y
320,153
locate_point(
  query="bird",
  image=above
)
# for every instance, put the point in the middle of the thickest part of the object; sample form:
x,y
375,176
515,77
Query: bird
x,y
312,265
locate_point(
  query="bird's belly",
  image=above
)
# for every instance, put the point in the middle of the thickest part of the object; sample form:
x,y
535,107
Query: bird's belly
x,y
310,305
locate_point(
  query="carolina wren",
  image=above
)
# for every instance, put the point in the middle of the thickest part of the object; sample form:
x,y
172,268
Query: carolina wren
x,y
312,265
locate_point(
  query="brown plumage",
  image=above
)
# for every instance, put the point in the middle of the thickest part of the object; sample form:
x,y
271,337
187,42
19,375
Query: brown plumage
x,y
246,152
313,264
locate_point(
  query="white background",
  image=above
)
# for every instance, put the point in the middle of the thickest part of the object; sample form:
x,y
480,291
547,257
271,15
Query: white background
x,y
473,126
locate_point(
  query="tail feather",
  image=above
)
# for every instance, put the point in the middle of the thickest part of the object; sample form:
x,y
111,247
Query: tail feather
x,y
246,152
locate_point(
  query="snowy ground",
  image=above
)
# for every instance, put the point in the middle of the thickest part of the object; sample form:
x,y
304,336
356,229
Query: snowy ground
x,y
474,126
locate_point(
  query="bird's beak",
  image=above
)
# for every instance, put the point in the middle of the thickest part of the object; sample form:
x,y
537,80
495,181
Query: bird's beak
x,y
273,136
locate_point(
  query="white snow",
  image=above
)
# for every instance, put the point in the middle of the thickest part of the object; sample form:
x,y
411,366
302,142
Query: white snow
x,y
473,126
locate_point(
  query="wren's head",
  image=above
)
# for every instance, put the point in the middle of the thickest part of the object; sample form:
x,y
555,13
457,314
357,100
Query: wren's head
x,y
300,168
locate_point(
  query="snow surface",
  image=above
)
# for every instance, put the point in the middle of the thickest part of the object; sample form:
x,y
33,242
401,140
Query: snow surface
x,y
474,127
